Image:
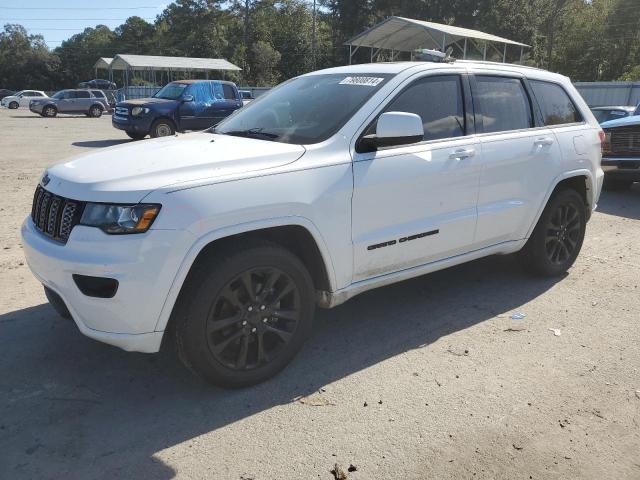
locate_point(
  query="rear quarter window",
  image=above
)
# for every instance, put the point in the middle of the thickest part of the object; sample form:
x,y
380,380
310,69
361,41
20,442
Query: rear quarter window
x,y
556,105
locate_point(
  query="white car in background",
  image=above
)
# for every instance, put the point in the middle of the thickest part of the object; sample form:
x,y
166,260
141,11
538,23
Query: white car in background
x,y
22,98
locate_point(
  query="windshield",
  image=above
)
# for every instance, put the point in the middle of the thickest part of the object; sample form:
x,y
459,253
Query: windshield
x,y
304,110
171,91
59,94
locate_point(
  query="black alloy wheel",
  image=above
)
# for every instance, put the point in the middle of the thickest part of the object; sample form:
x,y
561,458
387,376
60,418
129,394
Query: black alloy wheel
x,y
253,318
563,233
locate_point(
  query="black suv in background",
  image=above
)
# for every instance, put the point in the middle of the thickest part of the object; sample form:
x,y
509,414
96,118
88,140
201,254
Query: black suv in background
x,y
178,106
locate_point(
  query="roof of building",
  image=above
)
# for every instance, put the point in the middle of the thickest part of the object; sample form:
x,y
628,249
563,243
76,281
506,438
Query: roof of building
x,y
156,62
407,34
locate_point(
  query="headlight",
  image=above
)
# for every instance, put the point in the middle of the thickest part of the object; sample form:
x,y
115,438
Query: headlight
x,y
117,219
137,111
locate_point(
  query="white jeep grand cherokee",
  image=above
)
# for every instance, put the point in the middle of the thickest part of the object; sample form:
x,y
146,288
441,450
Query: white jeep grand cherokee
x,y
334,183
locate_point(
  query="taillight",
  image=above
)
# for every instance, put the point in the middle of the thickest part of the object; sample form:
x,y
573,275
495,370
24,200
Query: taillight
x,y
605,141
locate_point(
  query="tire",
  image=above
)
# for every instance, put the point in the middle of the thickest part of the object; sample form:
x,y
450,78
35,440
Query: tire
x,y
162,128
49,111
557,238
14,105
615,184
95,111
135,136
220,328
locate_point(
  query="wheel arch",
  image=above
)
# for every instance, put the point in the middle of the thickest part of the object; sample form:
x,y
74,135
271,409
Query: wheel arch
x,y
297,234
580,180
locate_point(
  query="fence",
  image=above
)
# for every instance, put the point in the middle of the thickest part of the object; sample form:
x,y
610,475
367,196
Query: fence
x,y
599,94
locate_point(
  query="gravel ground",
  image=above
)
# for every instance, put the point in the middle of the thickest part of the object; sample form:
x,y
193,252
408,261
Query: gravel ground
x,y
429,378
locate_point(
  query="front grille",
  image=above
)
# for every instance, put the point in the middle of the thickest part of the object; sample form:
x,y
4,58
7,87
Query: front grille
x,y
55,216
121,112
625,141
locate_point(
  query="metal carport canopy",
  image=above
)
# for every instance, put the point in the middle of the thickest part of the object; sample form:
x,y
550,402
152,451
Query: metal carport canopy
x,y
160,63
103,63
407,34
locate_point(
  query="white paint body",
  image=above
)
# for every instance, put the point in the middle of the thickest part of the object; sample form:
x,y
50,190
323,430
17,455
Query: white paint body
x,y
23,97
483,201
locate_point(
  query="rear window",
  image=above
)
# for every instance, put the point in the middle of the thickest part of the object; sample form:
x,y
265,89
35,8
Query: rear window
x,y
556,105
504,104
228,92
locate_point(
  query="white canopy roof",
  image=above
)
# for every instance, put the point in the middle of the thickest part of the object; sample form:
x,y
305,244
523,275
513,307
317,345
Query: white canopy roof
x,y
103,62
157,63
406,34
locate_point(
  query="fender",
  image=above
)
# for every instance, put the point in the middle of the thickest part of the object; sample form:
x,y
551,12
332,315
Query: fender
x,y
591,192
206,239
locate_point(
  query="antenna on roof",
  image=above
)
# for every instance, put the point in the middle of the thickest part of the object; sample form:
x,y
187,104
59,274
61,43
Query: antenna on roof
x,y
436,56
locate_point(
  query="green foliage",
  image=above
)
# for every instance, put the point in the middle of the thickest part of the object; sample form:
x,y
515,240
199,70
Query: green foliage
x,y
272,40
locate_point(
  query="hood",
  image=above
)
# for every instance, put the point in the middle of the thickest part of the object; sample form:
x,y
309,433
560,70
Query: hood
x,y
10,97
622,122
126,173
145,101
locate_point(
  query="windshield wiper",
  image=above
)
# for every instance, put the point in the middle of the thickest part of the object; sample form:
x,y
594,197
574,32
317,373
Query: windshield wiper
x,y
251,133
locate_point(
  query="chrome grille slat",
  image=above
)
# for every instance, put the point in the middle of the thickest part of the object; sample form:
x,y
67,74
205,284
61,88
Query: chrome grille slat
x,y
55,216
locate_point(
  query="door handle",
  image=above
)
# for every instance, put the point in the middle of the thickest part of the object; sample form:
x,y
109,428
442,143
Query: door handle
x,y
544,141
462,153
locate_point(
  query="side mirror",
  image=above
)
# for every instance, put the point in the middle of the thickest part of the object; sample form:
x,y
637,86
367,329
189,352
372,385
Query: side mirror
x,y
393,128
187,98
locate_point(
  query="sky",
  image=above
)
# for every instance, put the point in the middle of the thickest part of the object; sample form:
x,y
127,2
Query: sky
x,y
57,20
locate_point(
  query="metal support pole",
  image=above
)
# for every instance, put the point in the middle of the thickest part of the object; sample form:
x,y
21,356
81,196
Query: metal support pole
x,y
521,53
504,54
371,49
484,54
444,41
464,51
350,54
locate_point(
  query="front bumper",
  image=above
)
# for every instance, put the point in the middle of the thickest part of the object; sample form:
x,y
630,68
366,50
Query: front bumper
x,y
141,125
144,265
627,168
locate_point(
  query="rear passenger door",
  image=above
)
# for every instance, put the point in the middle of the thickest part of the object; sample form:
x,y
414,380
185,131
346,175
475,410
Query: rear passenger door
x,y
520,158
558,112
227,101
416,204
83,101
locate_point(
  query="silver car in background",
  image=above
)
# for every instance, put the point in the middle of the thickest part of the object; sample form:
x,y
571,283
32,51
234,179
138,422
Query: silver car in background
x,y
89,102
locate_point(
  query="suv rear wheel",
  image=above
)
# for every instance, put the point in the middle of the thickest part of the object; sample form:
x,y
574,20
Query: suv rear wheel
x,y
162,128
245,313
557,238
95,111
49,111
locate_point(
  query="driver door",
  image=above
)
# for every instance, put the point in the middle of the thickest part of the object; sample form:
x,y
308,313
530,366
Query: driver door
x,y
416,204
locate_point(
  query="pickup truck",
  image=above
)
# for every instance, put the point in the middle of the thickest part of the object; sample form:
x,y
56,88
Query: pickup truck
x,y
178,106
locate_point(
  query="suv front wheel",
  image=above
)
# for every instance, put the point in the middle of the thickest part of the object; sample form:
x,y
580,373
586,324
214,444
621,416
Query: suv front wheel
x,y
162,128
244,314
557,238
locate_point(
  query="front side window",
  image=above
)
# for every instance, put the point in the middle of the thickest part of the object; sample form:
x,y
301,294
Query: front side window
x,y
504,104
58,95
557,107
201,92
439,102
171,91
304,110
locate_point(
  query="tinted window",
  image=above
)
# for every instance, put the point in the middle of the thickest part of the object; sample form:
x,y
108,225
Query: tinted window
x,y
438,101
503,102
171,91
305,110
36,94
228,92
83,94
557,108
28,93
70,94
606,115
97,93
